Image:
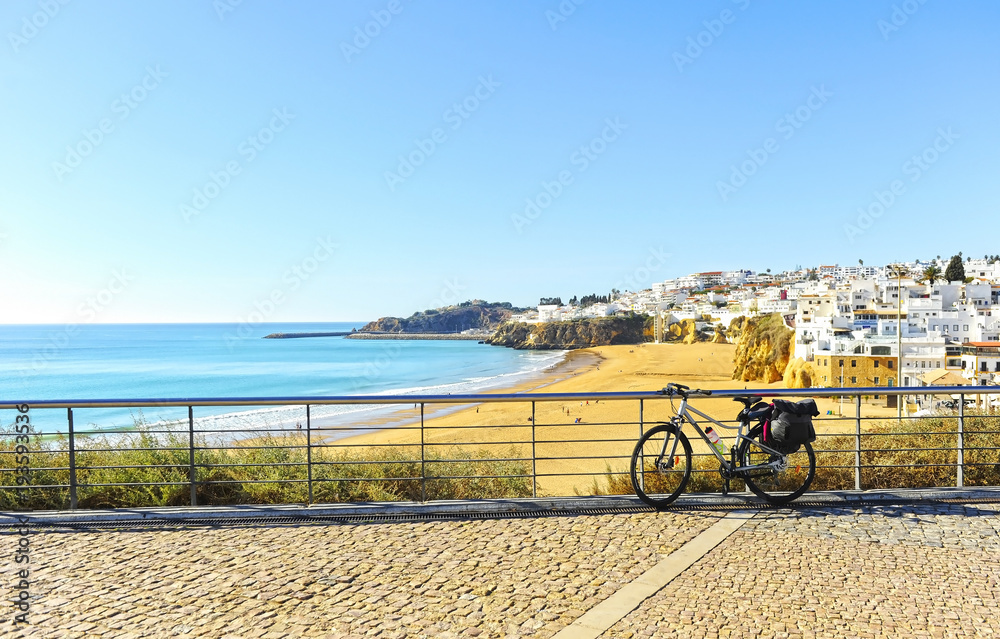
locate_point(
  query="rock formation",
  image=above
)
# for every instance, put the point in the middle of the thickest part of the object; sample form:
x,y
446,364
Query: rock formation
x,y
573,334
799,374
476,314
763,348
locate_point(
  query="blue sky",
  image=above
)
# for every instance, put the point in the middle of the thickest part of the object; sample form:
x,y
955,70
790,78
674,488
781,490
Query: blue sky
x,y
199,160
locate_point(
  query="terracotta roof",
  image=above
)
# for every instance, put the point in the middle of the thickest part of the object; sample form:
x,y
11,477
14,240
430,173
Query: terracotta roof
x,y
986,344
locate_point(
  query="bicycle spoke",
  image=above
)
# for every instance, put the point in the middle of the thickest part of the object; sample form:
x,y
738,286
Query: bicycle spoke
x,y
657,475
785,477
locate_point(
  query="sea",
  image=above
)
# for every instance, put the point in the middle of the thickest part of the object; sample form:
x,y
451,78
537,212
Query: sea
x,y
197,361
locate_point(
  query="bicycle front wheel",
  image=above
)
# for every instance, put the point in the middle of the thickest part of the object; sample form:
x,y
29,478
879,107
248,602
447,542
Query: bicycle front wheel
x,y
661,465
787,480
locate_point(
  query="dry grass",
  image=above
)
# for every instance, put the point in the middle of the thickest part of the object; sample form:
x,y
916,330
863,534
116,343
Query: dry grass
x,y
142,468
912,454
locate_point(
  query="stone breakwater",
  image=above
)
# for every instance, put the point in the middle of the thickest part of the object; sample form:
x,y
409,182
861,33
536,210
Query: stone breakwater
x,y
480,336
298,335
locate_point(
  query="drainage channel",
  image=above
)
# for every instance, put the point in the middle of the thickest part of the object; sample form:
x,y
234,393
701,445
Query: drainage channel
x,y
374,518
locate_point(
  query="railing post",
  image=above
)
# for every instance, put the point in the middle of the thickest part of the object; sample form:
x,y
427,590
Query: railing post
x,y
423,458
534,459
191,470
72,460
857,445
309,460
960,443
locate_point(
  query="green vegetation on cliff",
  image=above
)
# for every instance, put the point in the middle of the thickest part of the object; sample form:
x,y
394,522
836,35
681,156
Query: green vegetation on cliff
x,y
763,347
475,314
584,333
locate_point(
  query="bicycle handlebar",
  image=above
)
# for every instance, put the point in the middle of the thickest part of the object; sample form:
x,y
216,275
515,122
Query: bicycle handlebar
x,y
684,391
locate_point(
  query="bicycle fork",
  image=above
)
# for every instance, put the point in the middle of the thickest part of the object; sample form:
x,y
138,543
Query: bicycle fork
x,y
666,462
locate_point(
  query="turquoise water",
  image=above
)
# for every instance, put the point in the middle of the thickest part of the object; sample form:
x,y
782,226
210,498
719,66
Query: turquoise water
x,y
155,361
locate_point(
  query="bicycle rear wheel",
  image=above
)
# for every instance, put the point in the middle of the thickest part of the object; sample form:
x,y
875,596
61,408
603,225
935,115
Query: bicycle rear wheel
x,y
657,476
779,485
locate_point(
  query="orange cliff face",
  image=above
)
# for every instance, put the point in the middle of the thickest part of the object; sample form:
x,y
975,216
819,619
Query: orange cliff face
x,y
763,348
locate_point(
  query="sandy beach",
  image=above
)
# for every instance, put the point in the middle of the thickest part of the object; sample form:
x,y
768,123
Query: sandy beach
x,y
568,452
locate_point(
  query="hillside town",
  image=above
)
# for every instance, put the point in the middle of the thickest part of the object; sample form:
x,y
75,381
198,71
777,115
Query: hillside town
x,y
920,323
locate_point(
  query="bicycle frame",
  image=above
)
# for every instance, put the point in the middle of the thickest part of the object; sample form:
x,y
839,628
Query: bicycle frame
x,y
684,414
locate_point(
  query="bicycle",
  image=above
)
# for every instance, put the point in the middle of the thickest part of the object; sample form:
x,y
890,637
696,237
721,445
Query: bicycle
x,y
660,472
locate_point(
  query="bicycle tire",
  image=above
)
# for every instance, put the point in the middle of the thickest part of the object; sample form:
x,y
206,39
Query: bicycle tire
x,y
775,486
653,483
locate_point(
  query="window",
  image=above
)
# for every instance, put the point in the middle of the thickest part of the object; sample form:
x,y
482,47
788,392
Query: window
x,y
841,363
875,379
876,363
956,327
854,363
889,364
889,383
854,380
965,327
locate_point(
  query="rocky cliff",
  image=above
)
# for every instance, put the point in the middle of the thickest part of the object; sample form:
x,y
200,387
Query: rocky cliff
x,y
763,348
573,334
799,374
476,314
686,332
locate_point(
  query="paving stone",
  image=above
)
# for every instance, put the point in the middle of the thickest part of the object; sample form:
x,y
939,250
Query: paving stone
x,y
874,571
485,578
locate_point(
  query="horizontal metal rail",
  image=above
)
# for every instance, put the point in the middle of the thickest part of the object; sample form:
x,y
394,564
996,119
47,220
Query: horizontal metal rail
x,y
320,462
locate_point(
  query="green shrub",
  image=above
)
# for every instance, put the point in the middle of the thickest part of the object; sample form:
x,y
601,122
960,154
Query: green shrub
x,y
269,470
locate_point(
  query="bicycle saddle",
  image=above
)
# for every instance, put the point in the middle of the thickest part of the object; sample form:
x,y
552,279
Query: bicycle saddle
x,y
748,400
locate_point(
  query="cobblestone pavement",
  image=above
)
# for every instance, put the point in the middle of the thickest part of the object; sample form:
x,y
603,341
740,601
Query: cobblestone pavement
x,y
873,571
490,578
879,571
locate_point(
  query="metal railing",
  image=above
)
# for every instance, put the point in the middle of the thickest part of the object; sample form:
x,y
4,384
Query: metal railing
x,y
503,445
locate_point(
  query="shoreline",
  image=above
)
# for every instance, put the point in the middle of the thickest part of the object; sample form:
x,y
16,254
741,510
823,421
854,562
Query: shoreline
x,y
341,429
575,443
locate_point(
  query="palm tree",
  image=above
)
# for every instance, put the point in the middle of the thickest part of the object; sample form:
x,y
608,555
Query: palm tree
x,y
932,274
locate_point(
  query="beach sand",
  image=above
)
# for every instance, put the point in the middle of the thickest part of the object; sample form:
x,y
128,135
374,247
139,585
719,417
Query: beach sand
x,y
570,456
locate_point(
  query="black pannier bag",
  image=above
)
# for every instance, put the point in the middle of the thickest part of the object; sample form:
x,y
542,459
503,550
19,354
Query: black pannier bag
x,y
791,425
